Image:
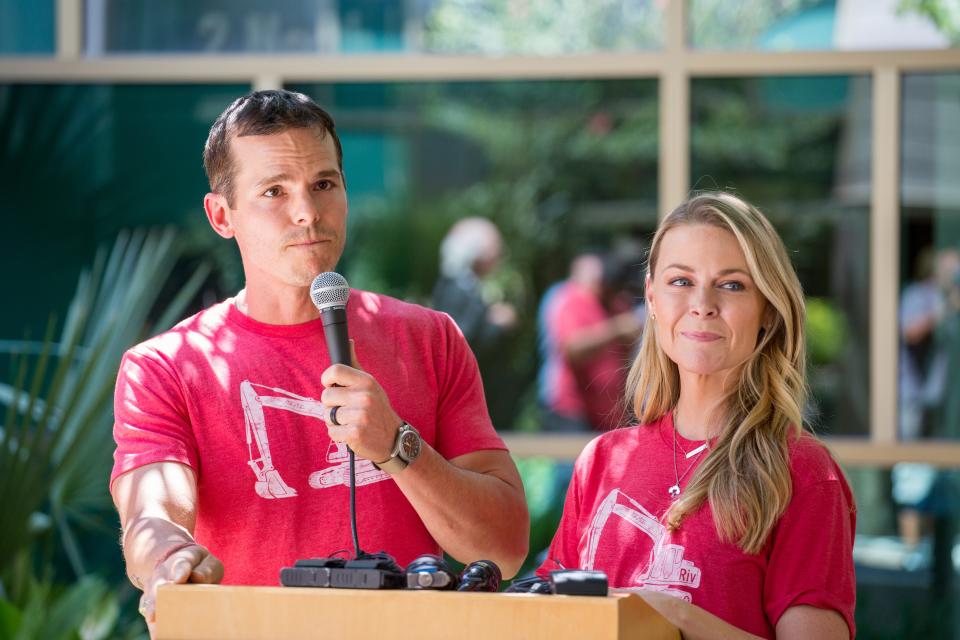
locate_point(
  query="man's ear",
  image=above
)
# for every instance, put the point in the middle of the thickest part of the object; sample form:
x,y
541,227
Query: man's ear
x,y
219,214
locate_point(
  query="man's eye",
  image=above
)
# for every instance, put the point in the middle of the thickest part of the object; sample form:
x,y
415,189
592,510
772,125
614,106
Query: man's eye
x,y
324,185
272,192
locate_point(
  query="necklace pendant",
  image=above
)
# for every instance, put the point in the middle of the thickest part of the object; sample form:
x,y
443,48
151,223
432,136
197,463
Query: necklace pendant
x,y
674,491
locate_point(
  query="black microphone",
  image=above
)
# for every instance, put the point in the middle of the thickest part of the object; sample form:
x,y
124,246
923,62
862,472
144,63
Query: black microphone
x,y
329,293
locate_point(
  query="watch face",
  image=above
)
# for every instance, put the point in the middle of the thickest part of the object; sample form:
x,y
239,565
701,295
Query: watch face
x,y
409,445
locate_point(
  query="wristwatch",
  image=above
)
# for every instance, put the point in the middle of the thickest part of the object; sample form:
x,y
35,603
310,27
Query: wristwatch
x,y
406,449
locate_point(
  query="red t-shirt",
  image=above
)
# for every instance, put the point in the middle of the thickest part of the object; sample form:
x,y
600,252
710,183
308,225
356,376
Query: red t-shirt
x,y
236,400
613,521
591,391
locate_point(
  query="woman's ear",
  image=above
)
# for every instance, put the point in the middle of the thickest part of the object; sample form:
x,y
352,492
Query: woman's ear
x,y
648,294
769,319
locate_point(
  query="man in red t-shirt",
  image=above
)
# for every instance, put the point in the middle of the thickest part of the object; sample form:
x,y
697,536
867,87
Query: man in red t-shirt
x,y
232,428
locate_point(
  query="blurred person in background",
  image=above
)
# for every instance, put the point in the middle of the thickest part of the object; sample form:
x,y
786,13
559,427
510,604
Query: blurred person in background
x,y
925,306
470,252
718,508
588,327
929,365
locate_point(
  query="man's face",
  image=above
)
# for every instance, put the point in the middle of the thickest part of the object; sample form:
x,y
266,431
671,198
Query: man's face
x,y
290,206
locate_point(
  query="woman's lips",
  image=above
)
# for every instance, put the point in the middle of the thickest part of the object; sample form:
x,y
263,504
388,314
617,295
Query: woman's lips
x,y
700,336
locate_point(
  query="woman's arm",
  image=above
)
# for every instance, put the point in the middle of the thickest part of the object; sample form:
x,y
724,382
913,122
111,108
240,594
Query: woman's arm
x,y
695,623
811,622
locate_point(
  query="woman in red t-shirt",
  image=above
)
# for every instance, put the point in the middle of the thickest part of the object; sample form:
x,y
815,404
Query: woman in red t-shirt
x,y
717,508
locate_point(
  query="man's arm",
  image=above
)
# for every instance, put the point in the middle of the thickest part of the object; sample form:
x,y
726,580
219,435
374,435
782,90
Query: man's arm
x,y
157,507
473,505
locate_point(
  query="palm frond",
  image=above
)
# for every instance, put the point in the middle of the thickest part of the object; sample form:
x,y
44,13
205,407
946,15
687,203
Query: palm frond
x,y
57,438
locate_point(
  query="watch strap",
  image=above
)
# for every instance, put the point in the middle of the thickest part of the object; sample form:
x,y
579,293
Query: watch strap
x,y
395,463
392,465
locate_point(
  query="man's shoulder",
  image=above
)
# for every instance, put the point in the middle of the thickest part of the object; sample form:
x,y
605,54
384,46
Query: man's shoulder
x,y
369,305
168,343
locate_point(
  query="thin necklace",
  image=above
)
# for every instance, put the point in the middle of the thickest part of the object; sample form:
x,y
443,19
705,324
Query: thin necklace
x,y
675,489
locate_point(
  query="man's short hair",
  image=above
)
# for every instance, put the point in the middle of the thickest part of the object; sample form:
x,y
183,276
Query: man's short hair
x,y
257,114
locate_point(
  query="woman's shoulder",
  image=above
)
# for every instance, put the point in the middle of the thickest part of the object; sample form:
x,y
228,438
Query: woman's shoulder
x,y
811,462
623,440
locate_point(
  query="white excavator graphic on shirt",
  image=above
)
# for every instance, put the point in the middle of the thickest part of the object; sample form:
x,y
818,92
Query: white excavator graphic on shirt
x,y
269,484
666,567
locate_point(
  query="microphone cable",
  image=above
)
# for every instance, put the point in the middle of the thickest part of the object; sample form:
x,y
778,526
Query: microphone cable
x,y
357,553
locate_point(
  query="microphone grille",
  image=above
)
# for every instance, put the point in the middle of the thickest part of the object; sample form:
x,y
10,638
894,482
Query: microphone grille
x,y
329,289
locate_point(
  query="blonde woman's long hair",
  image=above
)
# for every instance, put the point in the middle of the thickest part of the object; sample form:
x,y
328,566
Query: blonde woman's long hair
x,y
745,478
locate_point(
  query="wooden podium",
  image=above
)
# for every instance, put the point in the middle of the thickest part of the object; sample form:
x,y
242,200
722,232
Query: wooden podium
x,y
201,612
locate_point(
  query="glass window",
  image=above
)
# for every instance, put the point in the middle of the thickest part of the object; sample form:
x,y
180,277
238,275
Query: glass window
x,y
79,163
906,551
26,26
929,377
371,26
799,148
557,166
797,25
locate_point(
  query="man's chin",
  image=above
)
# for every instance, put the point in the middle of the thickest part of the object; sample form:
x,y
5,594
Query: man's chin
x,y
306,278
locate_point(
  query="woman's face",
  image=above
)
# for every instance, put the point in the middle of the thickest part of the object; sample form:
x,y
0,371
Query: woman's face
x,y
708,309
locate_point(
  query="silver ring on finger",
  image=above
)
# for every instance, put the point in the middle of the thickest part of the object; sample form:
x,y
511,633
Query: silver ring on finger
x,y
333,416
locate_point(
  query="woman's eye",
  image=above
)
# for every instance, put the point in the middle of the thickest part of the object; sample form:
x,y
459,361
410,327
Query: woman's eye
x,y
733,286
272,192
680,282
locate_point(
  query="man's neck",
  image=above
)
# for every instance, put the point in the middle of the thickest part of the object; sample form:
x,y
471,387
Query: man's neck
x,y
287,306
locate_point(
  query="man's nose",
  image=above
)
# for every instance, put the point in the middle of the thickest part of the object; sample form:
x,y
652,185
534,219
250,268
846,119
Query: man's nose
x,y
306,211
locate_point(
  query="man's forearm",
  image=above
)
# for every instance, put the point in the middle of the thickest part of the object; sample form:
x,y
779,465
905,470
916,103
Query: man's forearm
x,y
472,515
147,541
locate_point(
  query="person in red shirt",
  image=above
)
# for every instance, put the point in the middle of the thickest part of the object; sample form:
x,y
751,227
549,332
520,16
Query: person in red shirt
x,y
718,508
230,458
588,331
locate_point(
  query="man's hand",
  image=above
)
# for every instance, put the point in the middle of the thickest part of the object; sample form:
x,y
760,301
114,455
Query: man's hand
x,y
189,563
157,508
367,422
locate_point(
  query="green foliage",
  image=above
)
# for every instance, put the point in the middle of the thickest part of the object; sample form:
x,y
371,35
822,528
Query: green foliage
x,y
56,441
720,24
541,168
545,483
944,14
543,27
85,609
826,332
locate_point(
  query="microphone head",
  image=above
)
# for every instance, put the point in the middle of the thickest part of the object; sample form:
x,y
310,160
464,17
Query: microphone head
x,y
329,290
